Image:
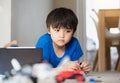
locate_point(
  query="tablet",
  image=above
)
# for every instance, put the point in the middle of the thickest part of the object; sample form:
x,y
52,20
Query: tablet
x,y
25,56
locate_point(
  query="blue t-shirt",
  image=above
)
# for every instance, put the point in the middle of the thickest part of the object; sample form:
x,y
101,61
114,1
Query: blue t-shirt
x,y
73,50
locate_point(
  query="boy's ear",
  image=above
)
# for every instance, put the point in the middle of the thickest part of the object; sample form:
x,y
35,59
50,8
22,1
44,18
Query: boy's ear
x,y
48,31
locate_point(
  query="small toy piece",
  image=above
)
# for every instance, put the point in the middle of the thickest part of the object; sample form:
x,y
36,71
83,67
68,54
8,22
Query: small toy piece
x,y
92,80
79,75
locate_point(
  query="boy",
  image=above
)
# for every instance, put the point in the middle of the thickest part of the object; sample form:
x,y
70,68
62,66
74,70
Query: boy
x,y
59,41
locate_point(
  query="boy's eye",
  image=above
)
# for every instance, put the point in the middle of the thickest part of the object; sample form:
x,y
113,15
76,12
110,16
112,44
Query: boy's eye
x,y
56,29
68,30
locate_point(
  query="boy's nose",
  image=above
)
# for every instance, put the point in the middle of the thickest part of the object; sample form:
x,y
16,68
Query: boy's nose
x,y
62,34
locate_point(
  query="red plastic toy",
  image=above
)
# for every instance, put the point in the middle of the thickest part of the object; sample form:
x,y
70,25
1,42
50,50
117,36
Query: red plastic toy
x,y
79,75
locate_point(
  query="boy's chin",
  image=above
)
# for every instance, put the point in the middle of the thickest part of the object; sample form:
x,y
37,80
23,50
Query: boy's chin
x,y
61,45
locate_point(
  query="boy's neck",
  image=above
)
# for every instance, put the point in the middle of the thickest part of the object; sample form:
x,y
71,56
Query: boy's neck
x,y
59,50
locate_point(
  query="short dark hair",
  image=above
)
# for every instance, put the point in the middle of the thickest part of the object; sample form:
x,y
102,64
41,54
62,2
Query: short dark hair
x,y
62,17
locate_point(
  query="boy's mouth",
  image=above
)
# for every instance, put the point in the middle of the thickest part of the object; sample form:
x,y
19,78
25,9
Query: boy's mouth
x,y
61,40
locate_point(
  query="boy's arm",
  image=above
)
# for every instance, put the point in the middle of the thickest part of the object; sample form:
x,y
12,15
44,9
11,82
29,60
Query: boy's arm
x,y
74,65
69,66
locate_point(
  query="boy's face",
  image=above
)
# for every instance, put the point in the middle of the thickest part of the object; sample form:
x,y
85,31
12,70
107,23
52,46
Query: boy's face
x,y
60,36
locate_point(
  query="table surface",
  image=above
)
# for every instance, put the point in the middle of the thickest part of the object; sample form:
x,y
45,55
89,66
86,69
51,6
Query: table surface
x,y
103,77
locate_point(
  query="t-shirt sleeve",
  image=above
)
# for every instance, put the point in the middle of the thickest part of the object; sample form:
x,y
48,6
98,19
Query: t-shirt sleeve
x,y
42,43
76,51
38,44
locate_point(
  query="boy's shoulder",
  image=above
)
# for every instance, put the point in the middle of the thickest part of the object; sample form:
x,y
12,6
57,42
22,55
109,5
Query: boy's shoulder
x,y
45,36
44,40
74,40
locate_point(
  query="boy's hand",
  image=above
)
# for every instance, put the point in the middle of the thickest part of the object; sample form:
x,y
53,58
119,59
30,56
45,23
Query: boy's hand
x,y
85,65
71,65
74,65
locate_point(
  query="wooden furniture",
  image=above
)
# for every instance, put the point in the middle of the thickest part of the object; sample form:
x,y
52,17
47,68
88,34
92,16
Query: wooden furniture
x,y
108,18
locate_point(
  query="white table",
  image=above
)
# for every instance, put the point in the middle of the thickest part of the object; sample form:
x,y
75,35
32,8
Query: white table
x,y
104,77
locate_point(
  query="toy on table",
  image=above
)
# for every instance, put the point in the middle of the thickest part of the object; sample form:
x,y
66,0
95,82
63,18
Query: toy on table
x,y
79,75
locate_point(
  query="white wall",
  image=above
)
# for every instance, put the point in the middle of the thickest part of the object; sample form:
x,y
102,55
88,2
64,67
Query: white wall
x,y
28,20
5,22
66,3
81,31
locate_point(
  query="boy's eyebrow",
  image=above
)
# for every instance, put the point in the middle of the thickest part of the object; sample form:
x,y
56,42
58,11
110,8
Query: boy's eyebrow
x,y
68,28
59,26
